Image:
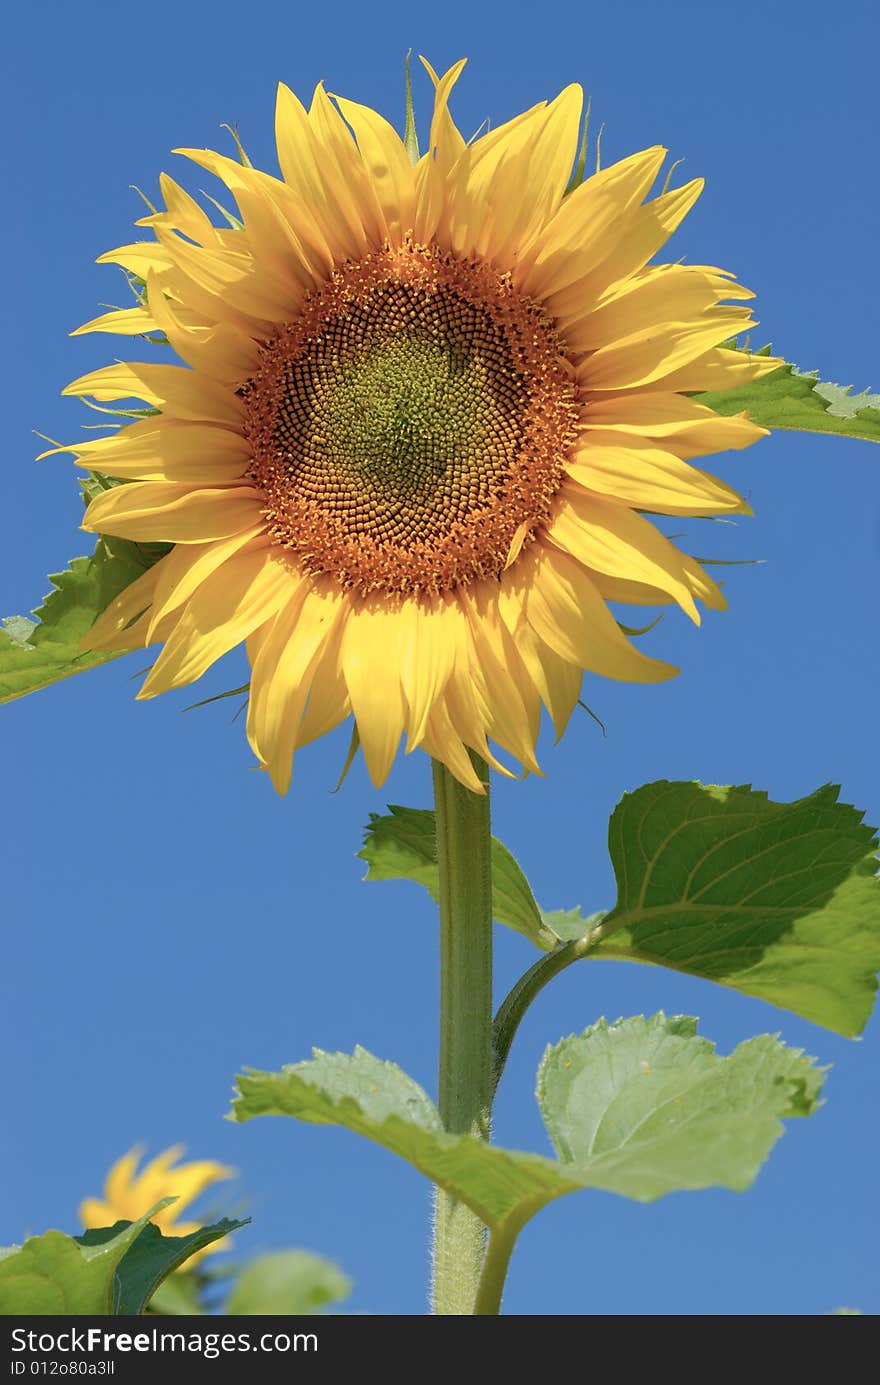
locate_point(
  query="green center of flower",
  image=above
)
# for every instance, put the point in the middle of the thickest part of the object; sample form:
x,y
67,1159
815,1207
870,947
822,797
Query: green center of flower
x,y
404,413
409,428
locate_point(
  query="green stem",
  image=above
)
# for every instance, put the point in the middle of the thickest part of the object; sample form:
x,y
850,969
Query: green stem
x,y
496,1265
515,1004
463,855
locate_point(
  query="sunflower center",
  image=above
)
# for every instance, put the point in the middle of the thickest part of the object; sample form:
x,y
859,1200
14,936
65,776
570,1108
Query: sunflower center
x,y
409,428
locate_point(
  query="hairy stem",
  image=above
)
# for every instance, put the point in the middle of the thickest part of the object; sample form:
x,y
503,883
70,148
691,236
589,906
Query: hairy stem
x,y
463,855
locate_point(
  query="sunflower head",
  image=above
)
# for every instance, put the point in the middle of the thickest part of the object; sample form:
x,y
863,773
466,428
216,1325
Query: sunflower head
x,y
129,1194
426,416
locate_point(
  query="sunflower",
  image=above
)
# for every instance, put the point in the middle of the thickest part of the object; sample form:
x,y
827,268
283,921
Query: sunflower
x,y
425,408
129,1194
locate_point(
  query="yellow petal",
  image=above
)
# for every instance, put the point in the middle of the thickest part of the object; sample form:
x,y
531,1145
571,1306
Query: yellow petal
x,y
702,585
123,322
682,425
182,213
354,190
242,594
282,674
371,660
446,141
428,642
719,369
511,710
187,566
150,1186
587,225
628,469
157,511
276,227
442,742
189,1181
619,542
156,449
234,279
300,154
467,698
562,685
655,352
542,174
387,163
139,258
640,594
112,629
178,391
281,240
632,593
196,307
474,213
445,146
329,702
93,1212
509,182
250,186
568,614
558,682
626,247
122,380
662,294
466,701
121,1176
223,353
133,636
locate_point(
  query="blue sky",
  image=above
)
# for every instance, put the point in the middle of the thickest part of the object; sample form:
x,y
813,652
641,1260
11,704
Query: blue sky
x,y
170,920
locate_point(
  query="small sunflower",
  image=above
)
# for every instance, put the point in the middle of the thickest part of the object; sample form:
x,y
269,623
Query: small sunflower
x,y
129,1194
424,412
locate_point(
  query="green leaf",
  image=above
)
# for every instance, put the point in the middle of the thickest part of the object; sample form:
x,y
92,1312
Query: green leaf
x,y
792,398
638,1108
378,1100
570,924
20,629
646,1107
292,1282
779,900
59,1274
34,655
403,846
152,1257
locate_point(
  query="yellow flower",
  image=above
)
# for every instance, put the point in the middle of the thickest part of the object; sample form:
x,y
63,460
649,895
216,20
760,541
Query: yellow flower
x,y
424,411
129,1195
